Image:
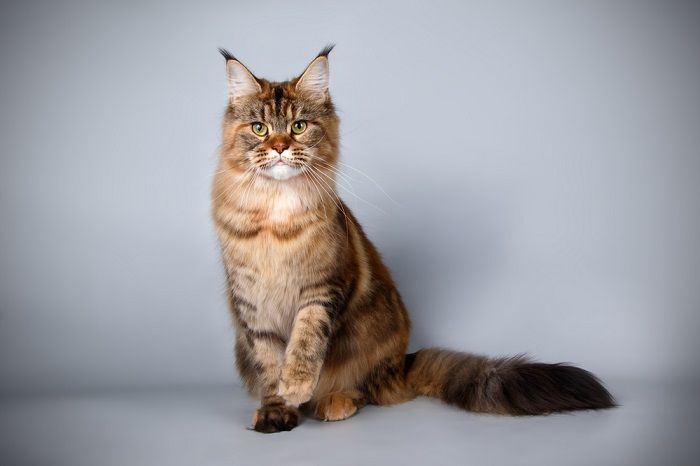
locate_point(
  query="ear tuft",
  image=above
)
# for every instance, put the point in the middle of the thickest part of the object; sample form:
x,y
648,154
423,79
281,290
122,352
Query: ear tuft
x,y
226,54
326,50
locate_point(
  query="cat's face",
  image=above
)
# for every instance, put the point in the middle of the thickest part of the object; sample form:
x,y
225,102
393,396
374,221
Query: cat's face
x,y
280,130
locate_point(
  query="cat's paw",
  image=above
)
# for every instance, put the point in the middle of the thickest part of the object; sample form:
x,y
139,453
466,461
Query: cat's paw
x,y
296,391
335,407
275,418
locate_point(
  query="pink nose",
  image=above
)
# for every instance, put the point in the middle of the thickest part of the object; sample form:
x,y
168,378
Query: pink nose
x,y
280,146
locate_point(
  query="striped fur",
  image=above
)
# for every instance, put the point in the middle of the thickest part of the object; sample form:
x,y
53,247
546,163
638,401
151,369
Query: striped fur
x,y
319,321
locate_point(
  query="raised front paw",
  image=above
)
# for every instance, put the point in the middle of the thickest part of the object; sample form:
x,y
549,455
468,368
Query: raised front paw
x,y
275,418
296,391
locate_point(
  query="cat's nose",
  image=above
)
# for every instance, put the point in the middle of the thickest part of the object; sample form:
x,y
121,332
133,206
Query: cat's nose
x,y
280,146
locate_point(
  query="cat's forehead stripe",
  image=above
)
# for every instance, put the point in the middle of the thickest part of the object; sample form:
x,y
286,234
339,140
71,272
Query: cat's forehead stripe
x,y
277,94
278,105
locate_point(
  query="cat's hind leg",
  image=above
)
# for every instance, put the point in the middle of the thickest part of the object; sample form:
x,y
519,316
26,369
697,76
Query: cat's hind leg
x,y
337,406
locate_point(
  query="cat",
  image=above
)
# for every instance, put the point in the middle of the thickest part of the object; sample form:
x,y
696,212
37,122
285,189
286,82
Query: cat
x,y
320,326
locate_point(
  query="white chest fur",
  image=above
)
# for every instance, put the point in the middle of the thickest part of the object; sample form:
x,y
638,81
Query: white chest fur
x,y
269,271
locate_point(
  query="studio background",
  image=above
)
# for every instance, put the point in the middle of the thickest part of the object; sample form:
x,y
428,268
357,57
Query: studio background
x,y
534,179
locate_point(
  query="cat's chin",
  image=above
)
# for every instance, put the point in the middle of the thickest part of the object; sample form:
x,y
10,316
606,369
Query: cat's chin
x,y
281,172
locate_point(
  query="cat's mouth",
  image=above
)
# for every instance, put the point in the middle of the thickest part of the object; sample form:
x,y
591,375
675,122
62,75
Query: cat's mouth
x,y
280,162
281,169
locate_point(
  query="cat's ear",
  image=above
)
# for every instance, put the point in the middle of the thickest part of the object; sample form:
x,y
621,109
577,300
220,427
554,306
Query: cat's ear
x,y
241,82
314,80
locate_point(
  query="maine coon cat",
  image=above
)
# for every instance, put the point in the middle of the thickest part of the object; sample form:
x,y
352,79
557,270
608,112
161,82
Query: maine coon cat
x,y
319,323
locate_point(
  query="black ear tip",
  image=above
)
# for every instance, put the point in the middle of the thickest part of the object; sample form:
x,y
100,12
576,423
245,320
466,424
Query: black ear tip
x,y
226,54
326,50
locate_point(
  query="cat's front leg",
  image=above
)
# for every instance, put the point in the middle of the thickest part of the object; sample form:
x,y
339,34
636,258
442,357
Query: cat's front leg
x,y
266,354
275,415
305,353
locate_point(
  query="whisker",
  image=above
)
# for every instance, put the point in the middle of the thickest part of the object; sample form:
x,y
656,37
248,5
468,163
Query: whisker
x,y
333,169
315,185
355,195
339,204
228,190
319,141
371,179
337,172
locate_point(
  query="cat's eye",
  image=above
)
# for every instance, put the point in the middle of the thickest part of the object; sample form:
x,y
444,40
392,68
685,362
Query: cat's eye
x,y
298,126
259,128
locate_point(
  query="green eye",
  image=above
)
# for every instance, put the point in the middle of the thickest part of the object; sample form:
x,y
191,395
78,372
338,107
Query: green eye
x,y
259,128
298,126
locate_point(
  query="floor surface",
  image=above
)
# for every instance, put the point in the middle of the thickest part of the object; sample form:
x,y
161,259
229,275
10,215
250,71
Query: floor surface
x,y
657,424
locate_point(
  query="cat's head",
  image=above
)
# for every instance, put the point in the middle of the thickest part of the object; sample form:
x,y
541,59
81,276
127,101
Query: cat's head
x,y
280,129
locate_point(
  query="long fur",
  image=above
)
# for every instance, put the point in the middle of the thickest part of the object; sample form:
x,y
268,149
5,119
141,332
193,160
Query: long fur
x,y
320,324
515,386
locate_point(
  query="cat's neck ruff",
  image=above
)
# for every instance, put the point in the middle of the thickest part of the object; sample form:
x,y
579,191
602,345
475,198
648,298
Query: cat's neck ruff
x,y
278,200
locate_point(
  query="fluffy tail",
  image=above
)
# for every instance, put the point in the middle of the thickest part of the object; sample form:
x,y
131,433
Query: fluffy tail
x,y
515,386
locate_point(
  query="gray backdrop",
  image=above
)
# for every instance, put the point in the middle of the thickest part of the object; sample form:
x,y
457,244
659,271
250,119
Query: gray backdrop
x,y
540,162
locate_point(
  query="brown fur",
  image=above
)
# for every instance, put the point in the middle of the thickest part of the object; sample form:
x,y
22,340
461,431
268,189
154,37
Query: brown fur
x,y
319,321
